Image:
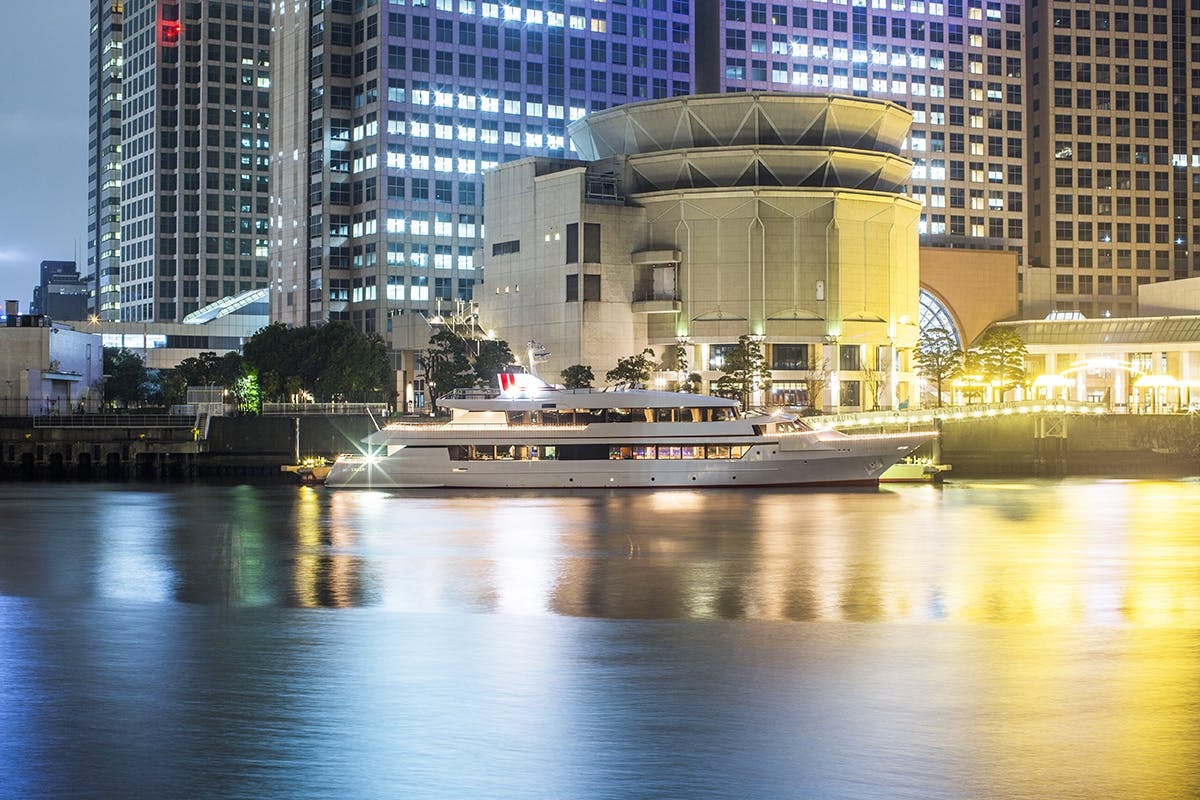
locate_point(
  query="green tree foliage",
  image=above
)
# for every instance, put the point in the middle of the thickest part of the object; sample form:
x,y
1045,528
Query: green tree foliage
x,y
577,376
246,394
744,369
349,365
492,356
333,361
1002,357
938,357
126,379
447,366
211,369
632,372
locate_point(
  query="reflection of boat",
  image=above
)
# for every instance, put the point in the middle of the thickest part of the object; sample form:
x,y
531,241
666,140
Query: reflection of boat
x,y
915,470
310,470
532,435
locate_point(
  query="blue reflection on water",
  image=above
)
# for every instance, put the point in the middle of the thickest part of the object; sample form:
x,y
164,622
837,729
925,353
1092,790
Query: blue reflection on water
x,y
233,642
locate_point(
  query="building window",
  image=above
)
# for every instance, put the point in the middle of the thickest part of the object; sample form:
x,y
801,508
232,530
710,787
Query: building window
x,y
789,356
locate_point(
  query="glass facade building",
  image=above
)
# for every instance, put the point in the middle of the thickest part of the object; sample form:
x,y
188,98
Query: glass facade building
x,y
195,147
408,103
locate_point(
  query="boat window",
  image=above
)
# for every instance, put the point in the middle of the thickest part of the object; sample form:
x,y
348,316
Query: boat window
x,y
717,451
697,414
648,413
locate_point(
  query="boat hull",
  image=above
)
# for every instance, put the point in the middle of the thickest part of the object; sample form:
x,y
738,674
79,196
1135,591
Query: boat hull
x,y
859,463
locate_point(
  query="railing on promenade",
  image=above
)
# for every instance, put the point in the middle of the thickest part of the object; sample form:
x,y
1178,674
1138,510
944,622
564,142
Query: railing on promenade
x,y
927,416
326,409
114,421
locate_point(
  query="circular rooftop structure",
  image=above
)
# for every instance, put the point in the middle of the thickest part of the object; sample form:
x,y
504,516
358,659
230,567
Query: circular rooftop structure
x,y
742,119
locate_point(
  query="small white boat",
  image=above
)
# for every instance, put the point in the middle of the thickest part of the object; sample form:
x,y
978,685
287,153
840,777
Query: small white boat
x,y
531,435
915,470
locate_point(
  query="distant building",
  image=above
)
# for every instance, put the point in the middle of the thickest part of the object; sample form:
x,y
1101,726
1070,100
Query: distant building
x,y
62,294
220,328
48,368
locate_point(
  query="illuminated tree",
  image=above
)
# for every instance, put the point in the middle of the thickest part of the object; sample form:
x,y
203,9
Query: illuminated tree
x,y
938,357
1002,353
744,370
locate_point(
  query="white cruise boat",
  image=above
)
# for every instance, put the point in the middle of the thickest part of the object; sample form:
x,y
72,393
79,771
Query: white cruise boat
x,y
531,435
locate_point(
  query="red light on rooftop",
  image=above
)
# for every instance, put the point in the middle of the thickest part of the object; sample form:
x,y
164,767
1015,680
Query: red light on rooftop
x,y
170,32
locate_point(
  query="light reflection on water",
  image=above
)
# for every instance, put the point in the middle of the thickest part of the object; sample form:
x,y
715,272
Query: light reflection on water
x,y
982,640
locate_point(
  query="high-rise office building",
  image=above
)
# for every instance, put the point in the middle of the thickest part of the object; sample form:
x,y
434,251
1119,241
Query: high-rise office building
x,y
958,65
195,151
1114,116
104,159
389,112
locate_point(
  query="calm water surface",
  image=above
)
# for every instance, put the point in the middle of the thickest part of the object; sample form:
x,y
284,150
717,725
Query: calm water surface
x,y
985,640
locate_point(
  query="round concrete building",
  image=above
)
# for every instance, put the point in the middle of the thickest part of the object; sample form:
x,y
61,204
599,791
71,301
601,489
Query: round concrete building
x,y
775,215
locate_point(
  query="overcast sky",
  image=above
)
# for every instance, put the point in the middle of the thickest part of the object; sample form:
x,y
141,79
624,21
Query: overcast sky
x,y
44,139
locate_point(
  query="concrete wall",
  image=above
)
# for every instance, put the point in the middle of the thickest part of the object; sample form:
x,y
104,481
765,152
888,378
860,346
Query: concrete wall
x,y
978,286
48,369
524,294
1169,298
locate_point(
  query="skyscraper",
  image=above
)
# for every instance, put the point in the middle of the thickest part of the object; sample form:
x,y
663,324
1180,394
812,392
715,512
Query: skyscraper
x,y
104,159
399,109
1115,117
195,150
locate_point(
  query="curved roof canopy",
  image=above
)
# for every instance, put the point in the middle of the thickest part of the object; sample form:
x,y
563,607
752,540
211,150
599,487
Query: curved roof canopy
x,y
742,119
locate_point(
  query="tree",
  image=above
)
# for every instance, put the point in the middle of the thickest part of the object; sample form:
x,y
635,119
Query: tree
x,y
745,370
972,380
1002,357
125,376
333,360
285,354
938,357
632,372
491,358
577,376
873,379
350,365
815,377
447,366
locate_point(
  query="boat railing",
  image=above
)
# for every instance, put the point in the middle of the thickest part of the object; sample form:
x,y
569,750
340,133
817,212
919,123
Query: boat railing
x,y
927,416
472,393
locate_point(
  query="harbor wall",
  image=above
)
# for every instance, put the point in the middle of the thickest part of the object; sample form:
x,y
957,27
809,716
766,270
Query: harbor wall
x,y
1035,445
235,448
1048,445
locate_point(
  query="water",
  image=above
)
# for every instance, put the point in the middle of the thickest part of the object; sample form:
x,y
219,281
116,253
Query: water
x,y
985,640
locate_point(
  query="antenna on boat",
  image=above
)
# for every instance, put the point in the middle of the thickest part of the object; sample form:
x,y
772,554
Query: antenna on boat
x,y
537,355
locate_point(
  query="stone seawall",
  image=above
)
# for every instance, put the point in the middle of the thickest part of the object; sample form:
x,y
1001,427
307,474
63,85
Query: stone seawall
x,y
1073,444
236,447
